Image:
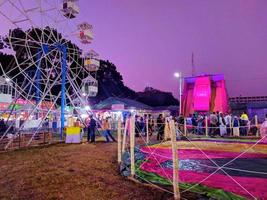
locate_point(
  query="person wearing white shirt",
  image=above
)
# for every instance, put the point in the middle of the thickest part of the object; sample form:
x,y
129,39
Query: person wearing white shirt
x,y
228,121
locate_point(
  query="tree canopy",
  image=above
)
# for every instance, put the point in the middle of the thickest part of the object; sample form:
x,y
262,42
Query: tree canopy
x,y
26,45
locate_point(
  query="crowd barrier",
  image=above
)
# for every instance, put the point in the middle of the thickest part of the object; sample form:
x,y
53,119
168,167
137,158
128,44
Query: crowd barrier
x,y
129,144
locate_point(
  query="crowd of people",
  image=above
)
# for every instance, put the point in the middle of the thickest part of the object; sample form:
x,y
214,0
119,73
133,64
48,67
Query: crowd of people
x,y
218,124
152,126
93,125
105,127
214,123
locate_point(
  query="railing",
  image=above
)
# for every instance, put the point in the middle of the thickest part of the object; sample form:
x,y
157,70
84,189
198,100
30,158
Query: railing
x,y
248,99
28,137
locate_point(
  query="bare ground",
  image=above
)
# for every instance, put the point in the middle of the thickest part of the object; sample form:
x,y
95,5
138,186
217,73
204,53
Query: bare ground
x,y
87,171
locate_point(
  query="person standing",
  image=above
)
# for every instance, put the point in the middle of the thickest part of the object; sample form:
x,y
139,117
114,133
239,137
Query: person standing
x,y
137,126
222,125
91,130
236,132
161,126
194,123
218,123
142,126
167,130
150,125
107,128
213,124
189,123
2,126
244,123
200,120
263,130
228,121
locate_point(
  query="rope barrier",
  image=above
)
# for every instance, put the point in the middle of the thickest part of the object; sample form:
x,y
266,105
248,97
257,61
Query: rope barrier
x,y
230,168
153,154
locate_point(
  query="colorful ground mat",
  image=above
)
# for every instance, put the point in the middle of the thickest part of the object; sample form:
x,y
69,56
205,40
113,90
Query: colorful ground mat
x,y
237,168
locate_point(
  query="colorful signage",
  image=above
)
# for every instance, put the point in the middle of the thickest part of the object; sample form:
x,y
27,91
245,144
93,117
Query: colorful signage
x,y
117,107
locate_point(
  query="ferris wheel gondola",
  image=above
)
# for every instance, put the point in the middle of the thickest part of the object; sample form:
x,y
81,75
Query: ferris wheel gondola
x,y
85,33
5,90
89,87
91,61
70,8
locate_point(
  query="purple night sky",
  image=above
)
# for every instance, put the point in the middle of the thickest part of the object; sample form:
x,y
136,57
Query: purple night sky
x,y
148,40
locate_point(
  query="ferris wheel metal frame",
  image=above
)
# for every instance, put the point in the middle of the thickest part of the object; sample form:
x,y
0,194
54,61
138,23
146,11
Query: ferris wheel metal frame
x,y
68,73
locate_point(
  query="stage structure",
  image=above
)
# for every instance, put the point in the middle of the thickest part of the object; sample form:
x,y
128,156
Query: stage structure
x,y
48,70
206,93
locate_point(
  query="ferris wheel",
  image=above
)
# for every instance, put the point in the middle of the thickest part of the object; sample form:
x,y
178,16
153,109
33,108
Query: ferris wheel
x,y
47,72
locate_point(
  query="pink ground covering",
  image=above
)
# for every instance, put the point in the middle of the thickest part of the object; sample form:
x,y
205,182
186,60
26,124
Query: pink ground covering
x,y
255,186
197,154
220,102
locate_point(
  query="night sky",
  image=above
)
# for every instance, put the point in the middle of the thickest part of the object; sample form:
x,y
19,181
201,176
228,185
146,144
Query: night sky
x,y
148,40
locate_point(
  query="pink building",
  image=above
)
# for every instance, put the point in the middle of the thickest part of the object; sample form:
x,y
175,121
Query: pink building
x,y
205,93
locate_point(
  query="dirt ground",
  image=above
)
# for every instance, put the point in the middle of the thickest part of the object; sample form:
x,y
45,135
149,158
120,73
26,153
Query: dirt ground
x,y
84,171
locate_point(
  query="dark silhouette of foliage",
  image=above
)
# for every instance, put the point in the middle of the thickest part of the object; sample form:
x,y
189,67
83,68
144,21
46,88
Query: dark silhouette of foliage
x,y
110,81
111,84
154,97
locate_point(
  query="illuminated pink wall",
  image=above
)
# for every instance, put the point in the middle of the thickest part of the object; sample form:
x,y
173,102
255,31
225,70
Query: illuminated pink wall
x,y
221,97
203,94
202,91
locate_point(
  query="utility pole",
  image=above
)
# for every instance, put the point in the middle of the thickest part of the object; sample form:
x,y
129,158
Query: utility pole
x,y
193,65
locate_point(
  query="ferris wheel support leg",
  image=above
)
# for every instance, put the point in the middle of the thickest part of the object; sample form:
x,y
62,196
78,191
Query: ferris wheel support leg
x,y
63,87
38,79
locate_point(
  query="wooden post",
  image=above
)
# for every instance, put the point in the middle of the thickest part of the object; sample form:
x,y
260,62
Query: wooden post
x,y
256,124
119,140
231,126
22,139
185,129
19,140
206,126
167,133
125,135
175,162
147,132
154,124
132,137
238,129
44,138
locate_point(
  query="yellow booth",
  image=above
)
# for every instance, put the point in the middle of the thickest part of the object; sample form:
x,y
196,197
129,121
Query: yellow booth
x,y
73,132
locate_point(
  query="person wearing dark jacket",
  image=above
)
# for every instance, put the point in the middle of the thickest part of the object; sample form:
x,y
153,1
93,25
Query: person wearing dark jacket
x,y
161,126
2,126
91,130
